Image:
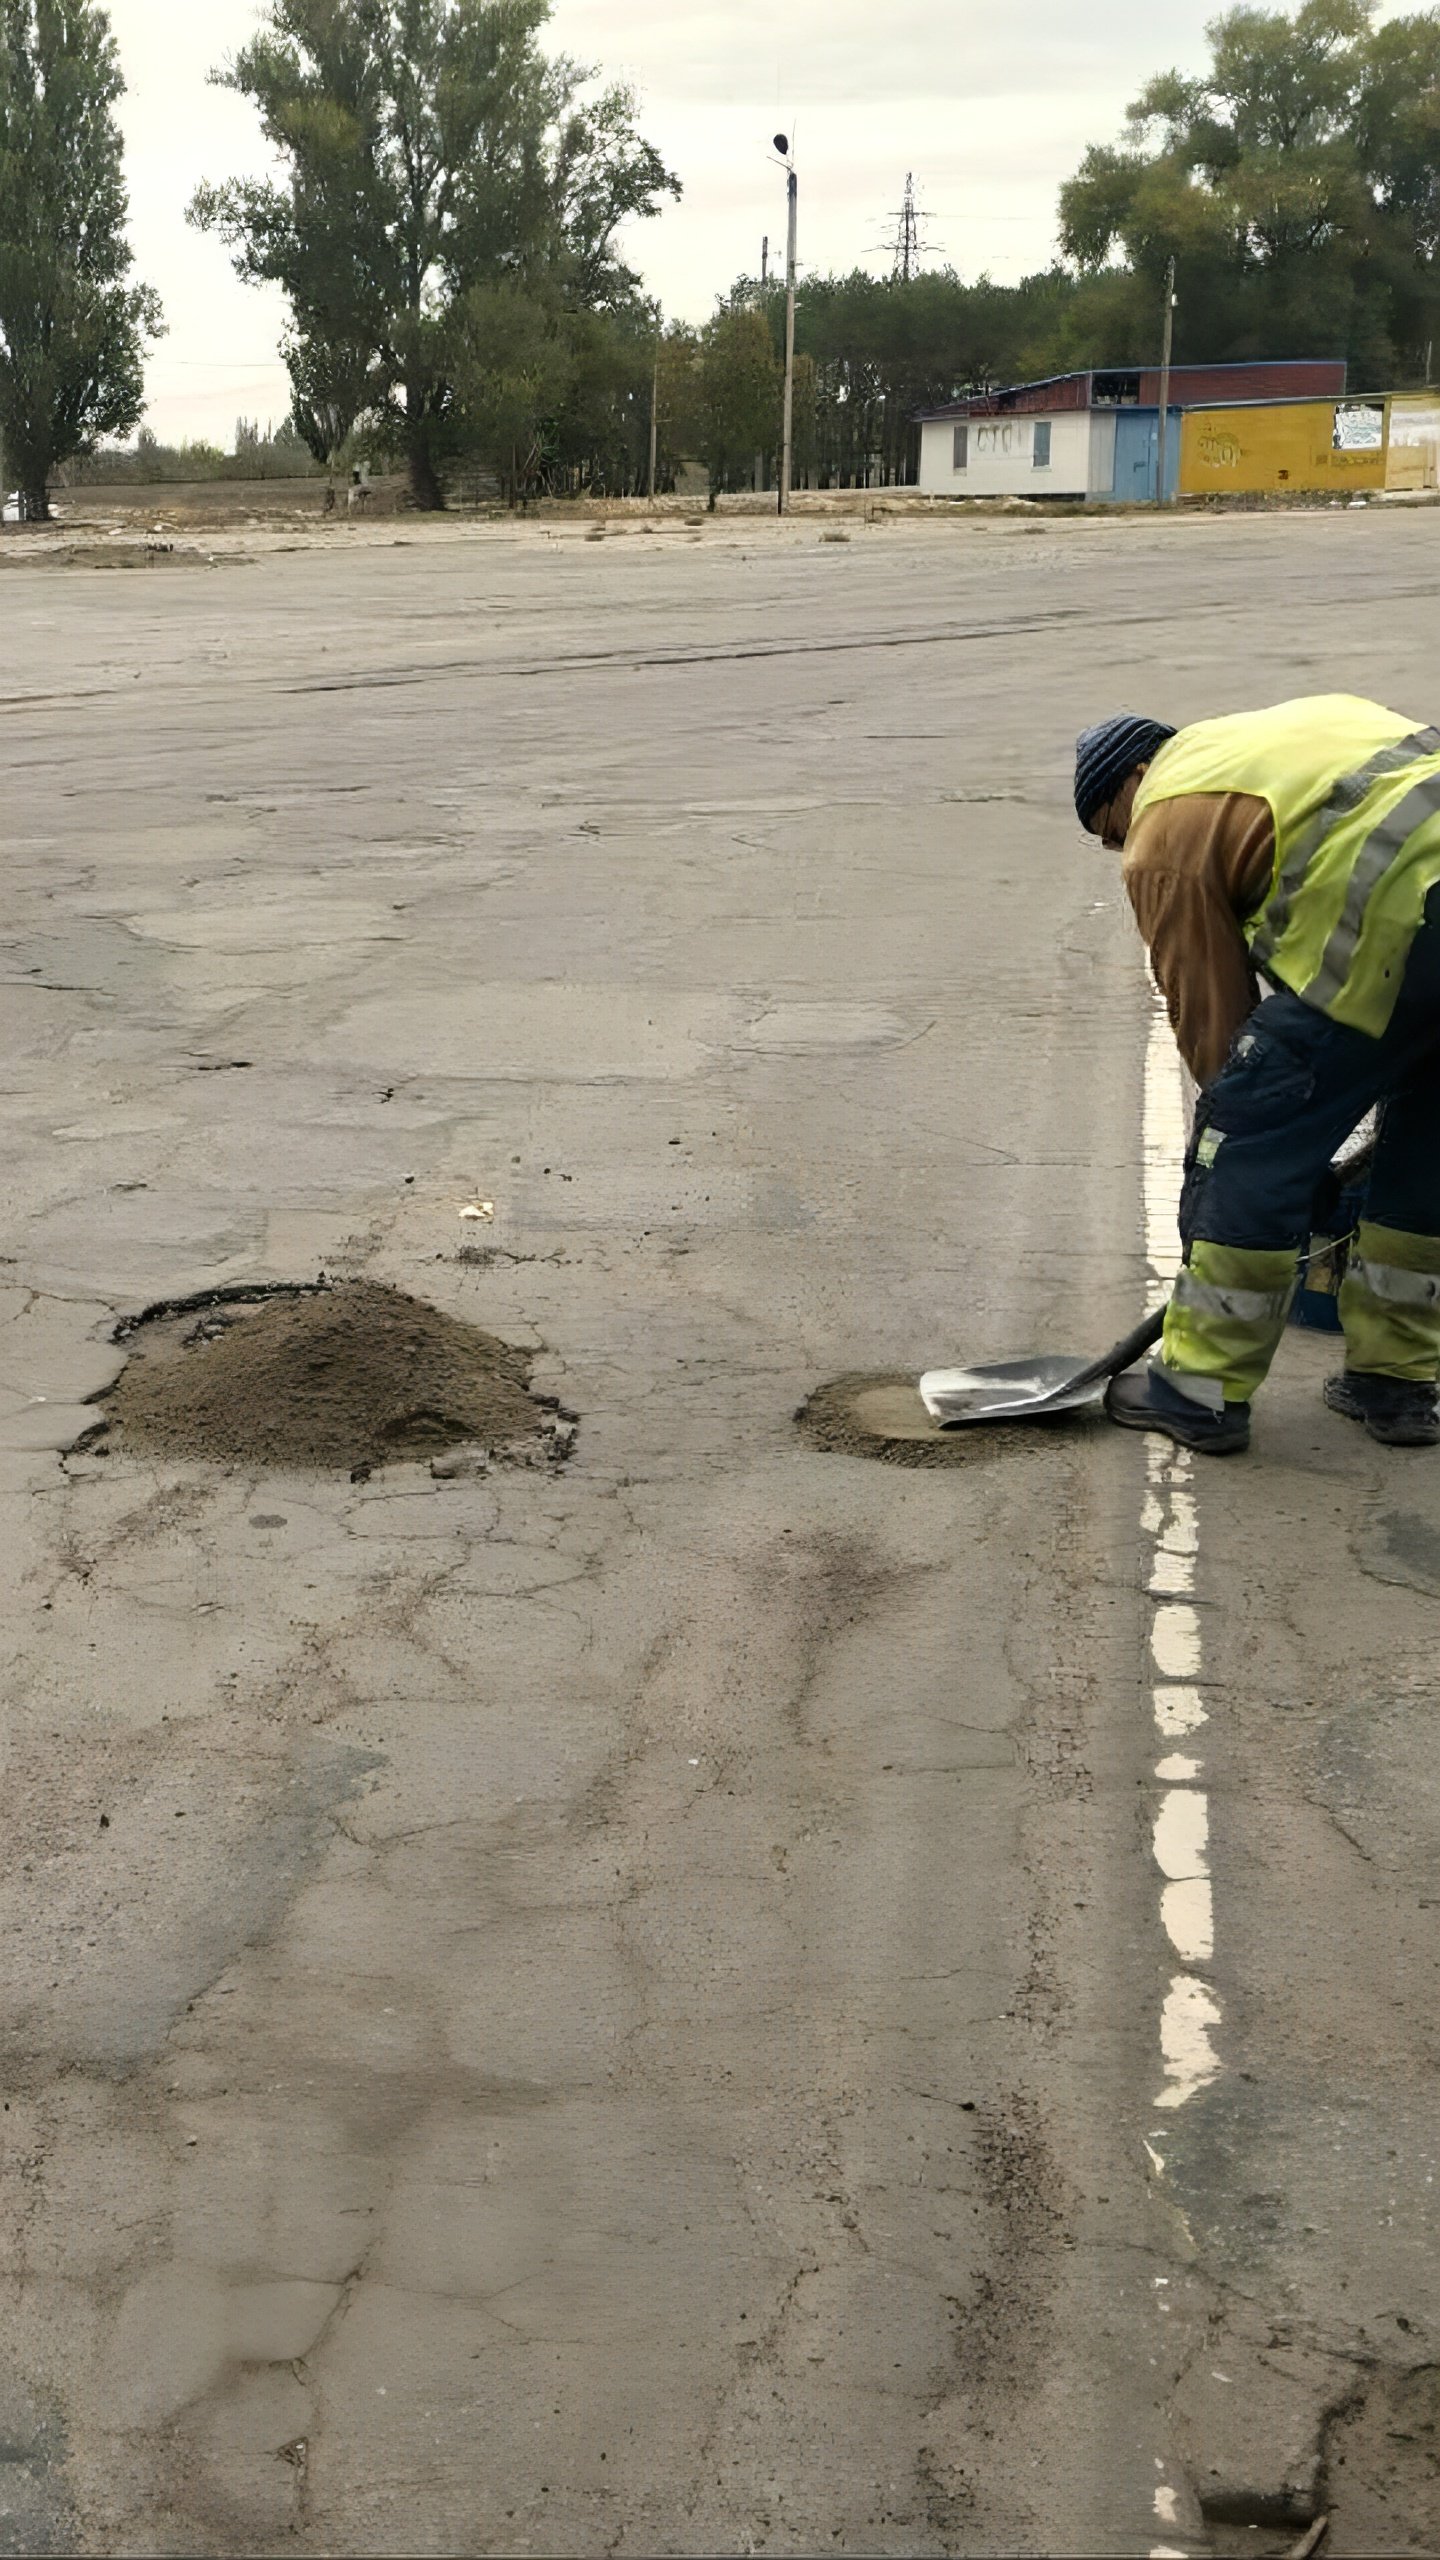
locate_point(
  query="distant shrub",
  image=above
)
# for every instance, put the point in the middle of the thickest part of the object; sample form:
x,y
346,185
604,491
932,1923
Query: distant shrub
x,y
274,453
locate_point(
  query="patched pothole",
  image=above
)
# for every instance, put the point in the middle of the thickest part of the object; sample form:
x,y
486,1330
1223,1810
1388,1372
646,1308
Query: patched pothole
x,y
878,1414
347,1376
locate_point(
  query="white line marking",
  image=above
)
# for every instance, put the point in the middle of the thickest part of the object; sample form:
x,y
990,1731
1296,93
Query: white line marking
x,y
1164,1141
1179,1711
1175,1640
1187,1910
1182,1834
1172,1577
1169,1522
1191,2011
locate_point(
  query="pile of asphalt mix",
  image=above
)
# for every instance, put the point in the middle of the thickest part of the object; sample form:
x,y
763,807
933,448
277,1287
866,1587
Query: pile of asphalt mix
x,y
879,1415
351,1375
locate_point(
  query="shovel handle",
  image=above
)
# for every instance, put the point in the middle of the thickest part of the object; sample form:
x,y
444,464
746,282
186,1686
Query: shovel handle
x,y
1121,1355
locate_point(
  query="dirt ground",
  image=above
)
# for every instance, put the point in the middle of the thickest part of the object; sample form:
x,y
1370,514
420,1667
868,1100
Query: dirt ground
x,y
705,1993
221,505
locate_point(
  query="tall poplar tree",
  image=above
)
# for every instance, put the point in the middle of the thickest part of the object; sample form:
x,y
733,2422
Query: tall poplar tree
x,y
72,326
435,164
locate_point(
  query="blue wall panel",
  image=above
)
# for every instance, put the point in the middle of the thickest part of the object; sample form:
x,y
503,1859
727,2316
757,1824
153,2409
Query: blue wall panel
x,y
1137,436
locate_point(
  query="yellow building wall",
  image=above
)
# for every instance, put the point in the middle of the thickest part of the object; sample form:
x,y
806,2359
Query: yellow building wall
x,y
1412,451
1289,445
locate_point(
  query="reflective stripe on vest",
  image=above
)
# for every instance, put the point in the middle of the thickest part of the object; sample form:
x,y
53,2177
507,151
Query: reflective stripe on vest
x,y
1354,792
1237,1306
1398,1288
1345,797
1372,862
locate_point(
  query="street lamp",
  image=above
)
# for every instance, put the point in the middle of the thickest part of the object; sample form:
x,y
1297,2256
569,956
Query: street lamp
x,y
787,432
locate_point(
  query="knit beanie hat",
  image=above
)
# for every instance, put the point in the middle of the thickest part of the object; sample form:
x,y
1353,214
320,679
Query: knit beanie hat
x,y
1105,754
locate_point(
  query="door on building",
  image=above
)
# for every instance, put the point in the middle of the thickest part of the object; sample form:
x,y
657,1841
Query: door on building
x,y
1137,438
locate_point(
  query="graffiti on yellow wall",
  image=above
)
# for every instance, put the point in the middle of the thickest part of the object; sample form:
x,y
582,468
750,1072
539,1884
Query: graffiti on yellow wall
x,y
1281,445
1219,452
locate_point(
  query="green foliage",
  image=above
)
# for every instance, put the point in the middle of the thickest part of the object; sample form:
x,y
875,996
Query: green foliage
x,y
72,327
1297,186
261,453
335,384
512,362
600,432
740,386
438,170
870,354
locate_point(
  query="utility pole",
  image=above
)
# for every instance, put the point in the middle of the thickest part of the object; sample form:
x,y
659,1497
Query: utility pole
x,y
655,410
758,480
787,432
1162,440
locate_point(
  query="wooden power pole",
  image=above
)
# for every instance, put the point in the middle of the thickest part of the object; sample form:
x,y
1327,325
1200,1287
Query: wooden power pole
x,y
1162,440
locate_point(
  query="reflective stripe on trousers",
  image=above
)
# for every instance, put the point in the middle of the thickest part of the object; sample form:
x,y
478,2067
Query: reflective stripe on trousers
x,y
1400,1288
1242,1306
1225,1320
1390,1304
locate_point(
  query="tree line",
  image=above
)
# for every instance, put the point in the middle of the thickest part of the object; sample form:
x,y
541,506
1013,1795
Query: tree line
x,y
1296,184
447,203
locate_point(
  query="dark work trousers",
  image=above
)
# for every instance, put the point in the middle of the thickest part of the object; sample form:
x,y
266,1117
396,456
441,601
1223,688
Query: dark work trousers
x,y
1293,1088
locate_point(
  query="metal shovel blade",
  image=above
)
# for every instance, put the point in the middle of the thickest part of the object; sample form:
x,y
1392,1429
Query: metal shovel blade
x,y
999,1390
1026,1390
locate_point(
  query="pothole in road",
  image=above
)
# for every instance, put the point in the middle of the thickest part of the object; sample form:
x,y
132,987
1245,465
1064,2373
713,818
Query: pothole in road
x,y
347,1375
1383,2462
880,1415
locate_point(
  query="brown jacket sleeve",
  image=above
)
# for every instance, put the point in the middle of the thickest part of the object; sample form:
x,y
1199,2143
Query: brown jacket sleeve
x,y
1194,869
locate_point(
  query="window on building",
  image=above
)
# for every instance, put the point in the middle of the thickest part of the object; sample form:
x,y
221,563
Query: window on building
x,y
1041,455
962,448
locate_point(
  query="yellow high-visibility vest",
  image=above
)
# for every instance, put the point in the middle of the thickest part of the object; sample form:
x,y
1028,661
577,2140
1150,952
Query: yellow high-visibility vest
x,y
1355,794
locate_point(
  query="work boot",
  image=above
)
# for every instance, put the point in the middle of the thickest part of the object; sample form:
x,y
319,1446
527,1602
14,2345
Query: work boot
x,y
1142,1400
1403,1412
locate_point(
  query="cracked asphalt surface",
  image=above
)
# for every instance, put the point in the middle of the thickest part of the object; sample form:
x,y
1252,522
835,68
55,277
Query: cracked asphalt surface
x,y
612,2007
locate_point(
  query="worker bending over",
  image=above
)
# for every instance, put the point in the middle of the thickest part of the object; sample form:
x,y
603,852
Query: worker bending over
x,y
1302,842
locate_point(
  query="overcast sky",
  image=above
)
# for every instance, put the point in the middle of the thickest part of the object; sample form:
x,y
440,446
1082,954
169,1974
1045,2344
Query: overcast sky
x,y
990,105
